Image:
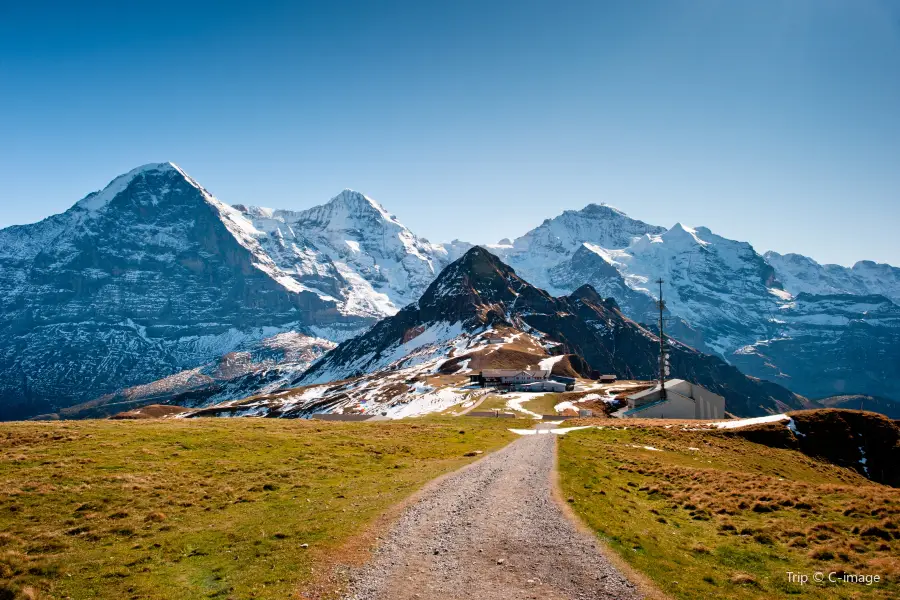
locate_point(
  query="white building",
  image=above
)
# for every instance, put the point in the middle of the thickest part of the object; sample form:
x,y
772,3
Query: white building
x,y
509,377
684,400
542,386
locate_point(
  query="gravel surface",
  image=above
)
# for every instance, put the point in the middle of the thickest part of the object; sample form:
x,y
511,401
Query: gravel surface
x,y
491,531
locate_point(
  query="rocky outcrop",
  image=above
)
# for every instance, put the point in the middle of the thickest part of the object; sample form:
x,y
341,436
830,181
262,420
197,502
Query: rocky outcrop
x,y
866,442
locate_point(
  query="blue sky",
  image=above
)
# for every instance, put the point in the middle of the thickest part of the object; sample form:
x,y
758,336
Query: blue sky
x,y
772,122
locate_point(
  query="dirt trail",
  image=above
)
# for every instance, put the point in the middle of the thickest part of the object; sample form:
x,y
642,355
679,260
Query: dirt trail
x,y
491,532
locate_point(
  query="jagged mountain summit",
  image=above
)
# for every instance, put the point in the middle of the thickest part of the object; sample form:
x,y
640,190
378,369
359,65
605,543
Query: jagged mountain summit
x,y
722,291
801,274
351,249
479,292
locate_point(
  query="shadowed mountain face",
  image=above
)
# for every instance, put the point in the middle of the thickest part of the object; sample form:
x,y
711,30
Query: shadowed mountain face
x,y
479,290
831,345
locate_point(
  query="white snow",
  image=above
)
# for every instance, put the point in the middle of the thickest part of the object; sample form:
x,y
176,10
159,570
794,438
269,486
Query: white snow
x,y
863,460
651,448
781,294
800,273
514,401
98,200
793,427
754,421
556,430
547,363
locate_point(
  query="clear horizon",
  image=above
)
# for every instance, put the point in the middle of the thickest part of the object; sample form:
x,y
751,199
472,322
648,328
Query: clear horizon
x,y
775,123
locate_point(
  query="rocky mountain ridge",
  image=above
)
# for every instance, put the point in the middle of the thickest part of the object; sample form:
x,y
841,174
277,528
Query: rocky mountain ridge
x,y
479,291
153,276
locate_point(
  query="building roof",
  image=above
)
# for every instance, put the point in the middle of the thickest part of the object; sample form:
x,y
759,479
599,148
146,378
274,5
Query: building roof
x,y
638,409
543,384
514,372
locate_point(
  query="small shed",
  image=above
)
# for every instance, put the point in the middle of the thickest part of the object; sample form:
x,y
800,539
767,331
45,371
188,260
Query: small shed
x,y
607,378
568,381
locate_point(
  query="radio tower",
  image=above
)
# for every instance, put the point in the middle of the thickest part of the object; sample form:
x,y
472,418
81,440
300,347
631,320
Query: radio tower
x,y
663,367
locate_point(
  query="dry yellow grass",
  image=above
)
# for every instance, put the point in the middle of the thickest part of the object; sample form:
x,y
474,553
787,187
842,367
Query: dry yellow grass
x,y
205,508
705,514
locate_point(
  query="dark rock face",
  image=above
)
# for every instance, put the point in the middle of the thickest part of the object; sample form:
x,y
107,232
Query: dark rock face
x,y
831,345
479,290
132,284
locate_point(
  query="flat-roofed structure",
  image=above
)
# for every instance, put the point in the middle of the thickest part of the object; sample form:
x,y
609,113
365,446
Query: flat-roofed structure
x,y
541,386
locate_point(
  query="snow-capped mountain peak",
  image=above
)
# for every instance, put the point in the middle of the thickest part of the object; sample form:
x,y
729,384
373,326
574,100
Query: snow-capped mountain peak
x,y
98,200
599,224
145,278
683,237
800,273
351,249
350,210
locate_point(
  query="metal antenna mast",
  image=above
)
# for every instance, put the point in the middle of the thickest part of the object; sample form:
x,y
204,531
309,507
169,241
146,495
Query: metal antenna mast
x,y
663,367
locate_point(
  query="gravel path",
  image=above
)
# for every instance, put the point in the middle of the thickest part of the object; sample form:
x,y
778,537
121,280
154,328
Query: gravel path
x,y
491,531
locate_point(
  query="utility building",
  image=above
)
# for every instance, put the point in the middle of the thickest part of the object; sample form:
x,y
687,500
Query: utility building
x,y
683,400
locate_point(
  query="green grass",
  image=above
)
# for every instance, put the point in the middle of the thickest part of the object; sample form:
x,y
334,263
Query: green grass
x,y
730,519
205,508
494,403
542,405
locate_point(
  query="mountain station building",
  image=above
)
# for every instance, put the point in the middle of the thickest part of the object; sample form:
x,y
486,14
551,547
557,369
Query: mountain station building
x,y
684,400
507,378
